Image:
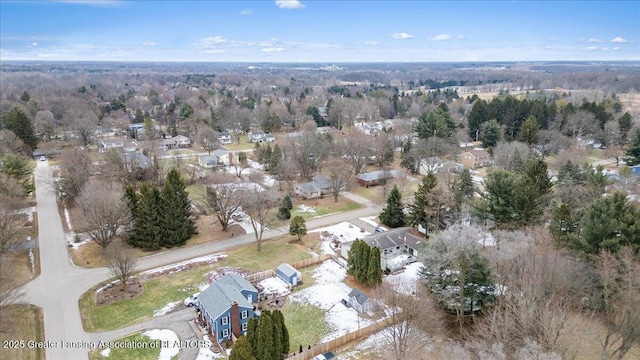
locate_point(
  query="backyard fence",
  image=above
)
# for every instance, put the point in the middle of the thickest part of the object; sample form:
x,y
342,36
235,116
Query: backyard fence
x,y
254,278
340,341
312,261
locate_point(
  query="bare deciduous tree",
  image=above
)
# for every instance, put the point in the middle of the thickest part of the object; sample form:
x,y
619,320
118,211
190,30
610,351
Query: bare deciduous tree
x,y
12,228
412,317
356,148
620,281
339,174
101,211
75,169
121,262
257,204
224,200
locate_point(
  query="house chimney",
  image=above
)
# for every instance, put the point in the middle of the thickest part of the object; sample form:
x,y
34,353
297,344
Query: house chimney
x,y
236,329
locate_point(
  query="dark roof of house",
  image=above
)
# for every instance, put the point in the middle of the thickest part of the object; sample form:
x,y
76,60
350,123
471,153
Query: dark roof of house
x,y
309,187
322,181
478,153
379,175
137,159
218,297
393,238
208,158
360,297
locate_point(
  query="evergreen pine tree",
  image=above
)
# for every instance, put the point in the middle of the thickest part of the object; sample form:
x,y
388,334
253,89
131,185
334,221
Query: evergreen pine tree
x,y
287,201
19,123
465,189
283,211
285,332
491,133
633,153
265,337
517,164
298,227
177,222
252,335
241,350
374,271
277,351
274,160
146,232
365,256
393,215
354,258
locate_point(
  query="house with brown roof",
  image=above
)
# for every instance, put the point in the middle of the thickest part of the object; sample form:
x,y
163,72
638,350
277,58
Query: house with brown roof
x,y
475,158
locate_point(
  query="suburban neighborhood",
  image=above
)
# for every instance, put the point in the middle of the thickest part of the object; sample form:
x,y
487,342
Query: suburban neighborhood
x,y
319,210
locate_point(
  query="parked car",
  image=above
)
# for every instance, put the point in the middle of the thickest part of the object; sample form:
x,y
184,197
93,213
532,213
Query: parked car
x,y
345,302
326,356
191,300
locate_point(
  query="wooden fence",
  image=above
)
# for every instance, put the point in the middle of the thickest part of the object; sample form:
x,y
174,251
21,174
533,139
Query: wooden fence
x,y
312,261
340,341
254,278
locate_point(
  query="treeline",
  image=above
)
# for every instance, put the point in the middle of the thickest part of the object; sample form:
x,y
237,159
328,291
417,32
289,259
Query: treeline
x,y
267,338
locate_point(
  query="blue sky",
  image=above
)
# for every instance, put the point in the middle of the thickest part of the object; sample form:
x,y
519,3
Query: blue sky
x,y
319,31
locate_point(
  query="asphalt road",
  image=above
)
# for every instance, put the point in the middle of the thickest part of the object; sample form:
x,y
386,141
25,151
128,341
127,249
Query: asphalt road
x,y
60,284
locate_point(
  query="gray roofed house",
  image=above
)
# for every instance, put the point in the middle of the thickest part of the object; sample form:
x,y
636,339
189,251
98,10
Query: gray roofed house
x,y
378,177
397,247
134,159
360,301
227,305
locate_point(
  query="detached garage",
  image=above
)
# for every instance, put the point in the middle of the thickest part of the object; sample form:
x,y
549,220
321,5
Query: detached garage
x,y
289,274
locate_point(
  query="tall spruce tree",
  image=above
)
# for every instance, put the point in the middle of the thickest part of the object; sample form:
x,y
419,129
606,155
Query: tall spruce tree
x,y
242,350
177,222
265,337
252,334
374,271
500,197
285,333
19,123
145,209
633,153
393,215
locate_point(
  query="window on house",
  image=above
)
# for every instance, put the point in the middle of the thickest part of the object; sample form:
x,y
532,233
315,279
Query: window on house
x,y
225,333
245,314
224,320
244,327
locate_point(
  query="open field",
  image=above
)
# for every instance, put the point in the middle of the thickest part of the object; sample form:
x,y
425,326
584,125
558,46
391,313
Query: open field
x,y
311,208
244,144
305,323
21,323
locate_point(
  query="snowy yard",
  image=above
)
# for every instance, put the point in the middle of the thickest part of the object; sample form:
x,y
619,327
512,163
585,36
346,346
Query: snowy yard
x,y
274,285
327,292
406,281
342,232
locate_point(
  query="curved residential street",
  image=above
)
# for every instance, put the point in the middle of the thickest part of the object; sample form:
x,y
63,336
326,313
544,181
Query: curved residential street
x,y
60,284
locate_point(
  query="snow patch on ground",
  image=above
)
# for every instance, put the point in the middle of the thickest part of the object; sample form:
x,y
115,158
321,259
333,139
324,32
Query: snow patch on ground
x,y
406,281
269,181
71,240
106,352
342,232
205,352
169,340
170,306
28,211
369,345
67,218
326,294
245,222
306,209
174,268
274,285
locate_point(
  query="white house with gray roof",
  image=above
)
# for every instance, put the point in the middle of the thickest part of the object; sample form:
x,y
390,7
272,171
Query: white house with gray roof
x,y
227,305
398,247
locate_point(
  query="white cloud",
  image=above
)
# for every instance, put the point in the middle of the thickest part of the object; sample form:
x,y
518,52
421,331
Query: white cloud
x,y
32,45
246,12
274,49
596,48
149,43
372,43
289,4
591,40
619,40
441,37
616,48
402,36
214,41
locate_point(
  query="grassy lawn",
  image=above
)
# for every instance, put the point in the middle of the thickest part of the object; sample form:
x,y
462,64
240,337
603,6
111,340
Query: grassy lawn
x,y
20,265
323,207
244,144
21,322
197,193
305,323
159,292
149,353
